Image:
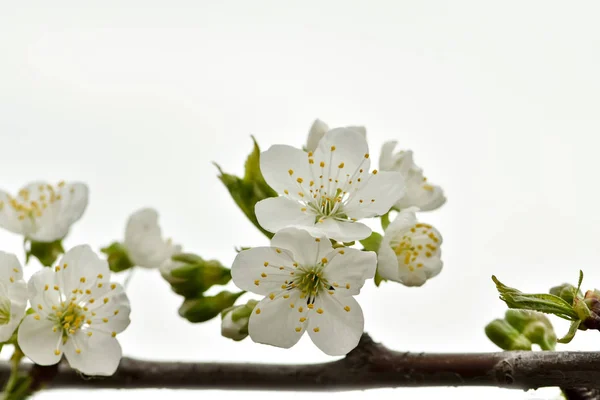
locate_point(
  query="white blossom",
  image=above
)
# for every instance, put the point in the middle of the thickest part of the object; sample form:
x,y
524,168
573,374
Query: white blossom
x,y
78,312
144,242
309,286
419,192
410,251
328,191
43,212
13,295
320,128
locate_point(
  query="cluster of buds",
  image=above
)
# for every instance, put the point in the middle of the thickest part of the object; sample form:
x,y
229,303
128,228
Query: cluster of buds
x,y
520,329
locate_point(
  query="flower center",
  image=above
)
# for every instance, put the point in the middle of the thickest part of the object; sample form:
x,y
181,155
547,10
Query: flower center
x,y
5,306
310,281
417,244
70,319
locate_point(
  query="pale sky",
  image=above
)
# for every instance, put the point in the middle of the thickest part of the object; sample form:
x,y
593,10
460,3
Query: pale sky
x,y
499,102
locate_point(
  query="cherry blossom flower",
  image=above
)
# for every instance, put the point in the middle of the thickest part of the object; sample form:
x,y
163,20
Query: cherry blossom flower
x,y
309,286
410,251
78,313
328,191
144,242
43,212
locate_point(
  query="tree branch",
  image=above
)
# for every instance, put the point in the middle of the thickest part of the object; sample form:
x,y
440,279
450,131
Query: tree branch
x,y
370,365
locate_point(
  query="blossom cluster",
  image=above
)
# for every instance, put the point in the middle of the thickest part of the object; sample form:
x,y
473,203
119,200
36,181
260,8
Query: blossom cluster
x,y
74,309
310,274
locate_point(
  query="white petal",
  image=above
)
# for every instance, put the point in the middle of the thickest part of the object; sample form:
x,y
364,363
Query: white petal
x,y
97,356
144,241
423,195
350,269
276,213
37,289
10,267
305,248
387,159
17,294
65,206
360,129
83,268
387,262
405,220
275,322
343,153
316,133
342,231
262,270
336,331
106,320
38,341
378,195
9,217
286,169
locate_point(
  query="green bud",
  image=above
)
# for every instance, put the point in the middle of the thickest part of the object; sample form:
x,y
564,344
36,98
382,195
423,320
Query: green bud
x,y
47,253
251,189
566,291
117,257
190,276
536,327
203,309
234,320
505,336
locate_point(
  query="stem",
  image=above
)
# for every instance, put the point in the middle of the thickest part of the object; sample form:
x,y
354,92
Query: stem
x,y
369,366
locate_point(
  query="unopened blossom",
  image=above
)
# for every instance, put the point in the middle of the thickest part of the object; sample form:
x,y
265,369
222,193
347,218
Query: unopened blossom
x,y
309,287
78,312
144,242
419,192
13,295
410,251
43,212
326,191
320,128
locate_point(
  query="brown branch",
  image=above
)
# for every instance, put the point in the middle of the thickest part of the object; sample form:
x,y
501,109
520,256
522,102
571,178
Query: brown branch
x,y
370,365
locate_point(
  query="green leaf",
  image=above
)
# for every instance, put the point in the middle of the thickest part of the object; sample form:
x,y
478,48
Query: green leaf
x,y
378,279
385,220
571,334
541,302
580,280
46,253
117,257
246,195
373,242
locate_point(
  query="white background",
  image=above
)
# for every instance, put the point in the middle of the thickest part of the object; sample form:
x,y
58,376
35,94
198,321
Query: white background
x,y
499,101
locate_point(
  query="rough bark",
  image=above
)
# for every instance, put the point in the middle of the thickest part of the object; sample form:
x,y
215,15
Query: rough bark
x,y
370,365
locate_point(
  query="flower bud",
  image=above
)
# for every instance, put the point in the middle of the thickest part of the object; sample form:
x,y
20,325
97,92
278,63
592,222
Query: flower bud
x,y
190,276
203,309
505,336
46,253
117,257
566,291
234,320
592,302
